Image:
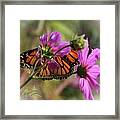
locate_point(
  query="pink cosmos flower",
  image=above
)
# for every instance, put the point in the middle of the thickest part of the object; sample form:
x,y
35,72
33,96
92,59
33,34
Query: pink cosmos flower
x,y
88,72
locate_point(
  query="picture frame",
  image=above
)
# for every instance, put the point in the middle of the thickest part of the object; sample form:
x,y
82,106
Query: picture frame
x,y
3,65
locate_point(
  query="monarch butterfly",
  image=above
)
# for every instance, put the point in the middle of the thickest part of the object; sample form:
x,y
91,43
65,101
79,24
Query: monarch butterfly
x,y
62,71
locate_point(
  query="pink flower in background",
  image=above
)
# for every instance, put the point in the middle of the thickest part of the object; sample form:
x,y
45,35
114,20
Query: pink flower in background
x,y
88,72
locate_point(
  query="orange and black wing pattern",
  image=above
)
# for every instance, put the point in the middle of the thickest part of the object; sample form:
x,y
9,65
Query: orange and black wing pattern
x,y
29,58
72,57
62,71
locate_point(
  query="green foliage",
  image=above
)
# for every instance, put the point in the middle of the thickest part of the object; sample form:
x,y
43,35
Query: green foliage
x,y
71,93
30,30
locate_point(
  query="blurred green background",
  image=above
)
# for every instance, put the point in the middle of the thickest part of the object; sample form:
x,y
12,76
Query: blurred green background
x,y
68,28
30,30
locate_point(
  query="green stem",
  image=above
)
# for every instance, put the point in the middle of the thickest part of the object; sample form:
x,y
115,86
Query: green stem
x,y
26,81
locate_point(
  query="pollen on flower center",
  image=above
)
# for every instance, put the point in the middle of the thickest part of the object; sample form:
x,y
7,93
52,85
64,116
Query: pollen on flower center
x,y
46,52
81,71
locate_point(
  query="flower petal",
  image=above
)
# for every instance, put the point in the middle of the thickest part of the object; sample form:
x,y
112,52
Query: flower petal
x,y
80,58
54,39
82,55
94,71
94,84
43,39
97,52
93,57
50,39
86,89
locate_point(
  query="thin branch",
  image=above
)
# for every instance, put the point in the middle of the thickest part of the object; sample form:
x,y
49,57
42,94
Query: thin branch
x,y
26,81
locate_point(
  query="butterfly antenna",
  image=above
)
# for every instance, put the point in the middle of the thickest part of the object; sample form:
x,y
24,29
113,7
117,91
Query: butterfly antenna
x,y
62,48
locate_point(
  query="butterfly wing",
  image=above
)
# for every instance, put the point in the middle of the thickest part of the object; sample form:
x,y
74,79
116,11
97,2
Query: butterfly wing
x,y
72,58
62,70
29,58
